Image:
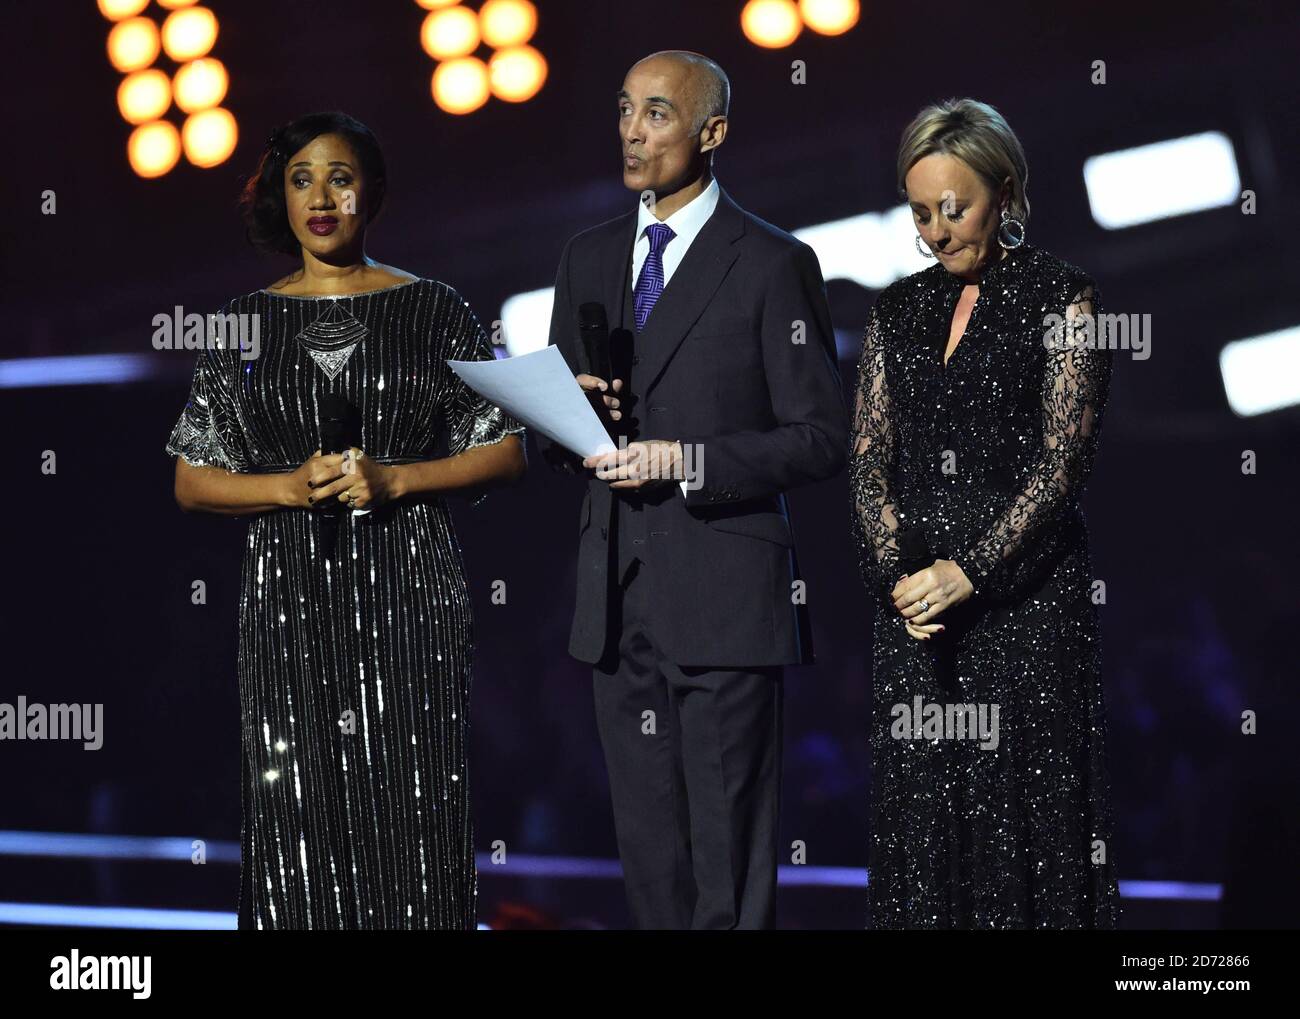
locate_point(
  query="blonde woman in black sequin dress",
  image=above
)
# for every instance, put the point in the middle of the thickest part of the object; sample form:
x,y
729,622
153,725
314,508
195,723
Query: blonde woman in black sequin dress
x,y
979,402
355,636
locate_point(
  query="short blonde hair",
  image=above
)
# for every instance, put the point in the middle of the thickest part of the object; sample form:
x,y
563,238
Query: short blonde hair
x,y
979,136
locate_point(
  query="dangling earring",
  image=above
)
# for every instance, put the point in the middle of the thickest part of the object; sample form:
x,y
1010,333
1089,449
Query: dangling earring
x,y
1016,232
925,251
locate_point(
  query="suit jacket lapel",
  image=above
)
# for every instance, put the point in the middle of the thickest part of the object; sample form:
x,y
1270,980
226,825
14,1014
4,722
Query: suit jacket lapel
x,y
614,283
688,293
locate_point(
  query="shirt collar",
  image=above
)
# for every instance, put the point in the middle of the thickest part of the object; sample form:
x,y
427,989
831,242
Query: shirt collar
x,y
687,221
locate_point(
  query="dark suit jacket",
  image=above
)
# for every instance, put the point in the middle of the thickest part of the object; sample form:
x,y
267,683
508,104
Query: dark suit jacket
x,y
724,363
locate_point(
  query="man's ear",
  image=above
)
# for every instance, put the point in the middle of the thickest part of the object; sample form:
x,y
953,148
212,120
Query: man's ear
x,y
713,133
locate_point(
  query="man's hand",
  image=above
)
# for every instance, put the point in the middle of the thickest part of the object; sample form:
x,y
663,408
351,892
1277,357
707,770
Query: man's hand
x,y
941,585
652,461
593,386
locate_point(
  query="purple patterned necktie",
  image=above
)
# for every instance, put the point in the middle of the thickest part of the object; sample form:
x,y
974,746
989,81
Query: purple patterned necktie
x,y
650,284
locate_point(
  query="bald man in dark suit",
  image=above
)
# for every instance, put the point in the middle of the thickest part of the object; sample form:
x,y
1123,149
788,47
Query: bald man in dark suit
x,y
689,599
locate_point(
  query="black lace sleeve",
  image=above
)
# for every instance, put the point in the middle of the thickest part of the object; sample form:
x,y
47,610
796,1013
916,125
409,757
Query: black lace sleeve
x,y
876,518
1075,384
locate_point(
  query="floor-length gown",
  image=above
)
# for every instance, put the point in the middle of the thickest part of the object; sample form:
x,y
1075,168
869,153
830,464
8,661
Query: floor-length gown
x,y
990,800
355,638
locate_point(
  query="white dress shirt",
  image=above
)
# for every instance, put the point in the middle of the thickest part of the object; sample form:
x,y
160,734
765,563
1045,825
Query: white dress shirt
x,y
685,223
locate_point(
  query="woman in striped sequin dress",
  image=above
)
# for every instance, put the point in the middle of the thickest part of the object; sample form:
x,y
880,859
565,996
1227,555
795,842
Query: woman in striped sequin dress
x,y
355,635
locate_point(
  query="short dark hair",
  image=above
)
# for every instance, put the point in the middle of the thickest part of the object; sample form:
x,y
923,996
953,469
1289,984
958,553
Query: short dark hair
x,y
262,203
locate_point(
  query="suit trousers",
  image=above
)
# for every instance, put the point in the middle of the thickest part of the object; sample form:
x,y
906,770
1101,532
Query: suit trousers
x,y
694,762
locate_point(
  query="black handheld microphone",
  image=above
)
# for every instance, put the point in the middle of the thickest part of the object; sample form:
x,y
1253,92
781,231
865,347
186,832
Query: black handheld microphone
x,y
913,550
598,354
340,424
340,429
593,327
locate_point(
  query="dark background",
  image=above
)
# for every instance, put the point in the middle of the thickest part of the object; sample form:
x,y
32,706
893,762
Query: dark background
x,y
1198,558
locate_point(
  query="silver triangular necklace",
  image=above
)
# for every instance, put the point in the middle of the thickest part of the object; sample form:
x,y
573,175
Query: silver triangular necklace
x,y
332,337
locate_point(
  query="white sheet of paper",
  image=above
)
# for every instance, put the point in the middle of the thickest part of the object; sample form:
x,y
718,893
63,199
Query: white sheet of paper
x,y
540,390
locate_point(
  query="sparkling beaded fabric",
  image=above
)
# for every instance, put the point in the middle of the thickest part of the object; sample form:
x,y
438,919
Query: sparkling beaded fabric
x,y
355,644
987,456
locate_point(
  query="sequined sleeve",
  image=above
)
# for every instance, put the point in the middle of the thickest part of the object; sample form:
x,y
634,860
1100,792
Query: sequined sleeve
x,y
871,465
1075,383
208,432
472,420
